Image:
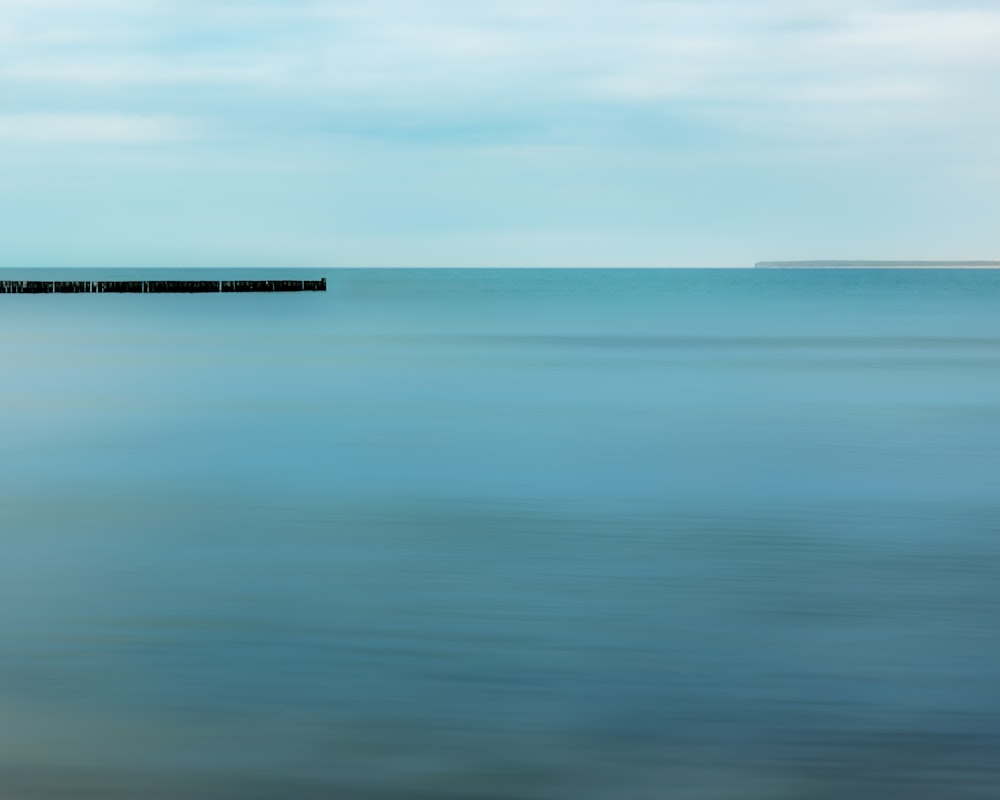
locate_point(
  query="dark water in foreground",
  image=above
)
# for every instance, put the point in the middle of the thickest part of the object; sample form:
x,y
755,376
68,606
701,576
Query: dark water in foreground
x,y
694,535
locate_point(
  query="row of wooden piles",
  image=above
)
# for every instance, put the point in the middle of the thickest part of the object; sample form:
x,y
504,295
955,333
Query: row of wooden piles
x,y
158,287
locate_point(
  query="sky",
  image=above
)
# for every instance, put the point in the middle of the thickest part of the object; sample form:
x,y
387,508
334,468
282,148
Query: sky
x,y
550,133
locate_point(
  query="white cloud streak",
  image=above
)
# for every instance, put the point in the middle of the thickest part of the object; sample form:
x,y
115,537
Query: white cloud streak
x,y
778,65
717,114
666,48
115,129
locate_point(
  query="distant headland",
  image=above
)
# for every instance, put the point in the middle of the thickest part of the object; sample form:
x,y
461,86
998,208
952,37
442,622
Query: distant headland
x,y
877,265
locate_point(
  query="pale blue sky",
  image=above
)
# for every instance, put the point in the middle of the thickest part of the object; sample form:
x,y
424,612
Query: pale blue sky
x,y
545,133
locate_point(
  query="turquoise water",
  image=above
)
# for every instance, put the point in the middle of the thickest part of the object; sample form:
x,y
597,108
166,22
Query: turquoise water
x,y
505,534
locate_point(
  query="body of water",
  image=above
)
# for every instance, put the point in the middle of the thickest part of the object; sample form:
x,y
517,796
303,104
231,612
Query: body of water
x,y
504,535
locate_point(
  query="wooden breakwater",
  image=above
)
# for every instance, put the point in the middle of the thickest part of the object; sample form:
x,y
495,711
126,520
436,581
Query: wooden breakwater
x,y
159,287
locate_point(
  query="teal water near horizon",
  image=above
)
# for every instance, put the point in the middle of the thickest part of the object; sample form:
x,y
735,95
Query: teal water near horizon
x,y
488,534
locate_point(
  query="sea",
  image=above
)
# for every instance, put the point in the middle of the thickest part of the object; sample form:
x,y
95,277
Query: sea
x,y
683,534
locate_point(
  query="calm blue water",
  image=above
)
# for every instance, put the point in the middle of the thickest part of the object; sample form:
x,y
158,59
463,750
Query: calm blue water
x,y
505,534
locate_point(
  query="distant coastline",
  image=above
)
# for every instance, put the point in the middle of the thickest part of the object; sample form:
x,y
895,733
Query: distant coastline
x,y
877,265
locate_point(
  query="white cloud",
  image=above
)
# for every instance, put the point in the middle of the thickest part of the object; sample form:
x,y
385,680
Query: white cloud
x,y
137,71
117,129
584,51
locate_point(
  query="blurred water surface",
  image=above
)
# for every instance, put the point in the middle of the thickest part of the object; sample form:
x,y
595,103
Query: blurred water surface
x,y
505,534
